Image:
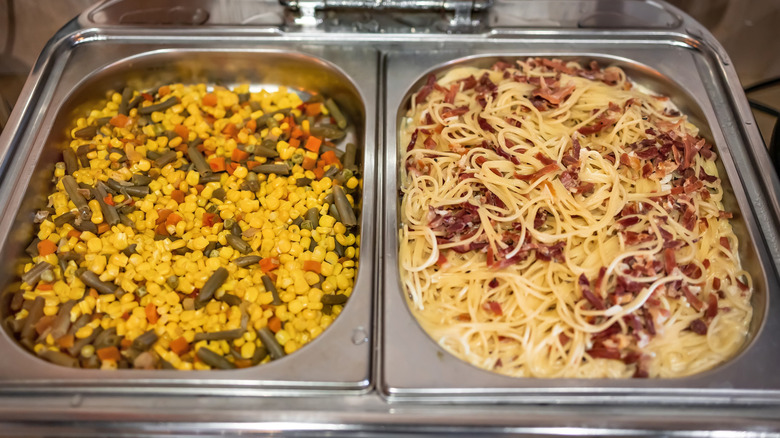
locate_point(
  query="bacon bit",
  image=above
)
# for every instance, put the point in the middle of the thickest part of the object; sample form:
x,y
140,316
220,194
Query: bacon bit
x,y
442,261
425,90
698,326
724,242
626,222
464,317
493,282
469,82
742,286
493,306
712,306
430,143
544,159
641,367
692,299
451,93
563,338
447,113
634,238
540,218
594,301
551,252
539,173
600,124
603,353
485,125
669,260
716,283
412,141
554,95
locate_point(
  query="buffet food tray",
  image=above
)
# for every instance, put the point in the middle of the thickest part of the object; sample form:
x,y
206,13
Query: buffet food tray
x,y
375,371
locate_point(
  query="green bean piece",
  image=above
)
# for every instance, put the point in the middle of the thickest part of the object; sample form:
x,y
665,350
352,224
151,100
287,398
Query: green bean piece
x,y
198,160
72,189
80,322
86,132
267,149
238,244
65,218
334,299
243,97
137,191
336,113
110,215
313,216
127,95
167,157
220,336
213,359
103,120
297,221
34,315
107,338
214,177
59,358
172,281
270,287
243,262
235,229
32,276
271,344
303,182
345,209
333,211
279,169
327,309
230,299
306,225
331,172
17,301
350,155
214,282
71,162
140,179
327,131
15,325
219,194
85,226
145,341
61,324
92,280
339,248
75,349
32,248
260,353
162,106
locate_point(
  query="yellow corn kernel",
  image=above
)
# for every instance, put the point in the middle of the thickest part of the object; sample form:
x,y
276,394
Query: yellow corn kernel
x,y
97,213
352,183
84,332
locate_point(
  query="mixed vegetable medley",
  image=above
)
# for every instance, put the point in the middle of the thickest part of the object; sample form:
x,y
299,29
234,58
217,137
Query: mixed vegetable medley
x,y
193,227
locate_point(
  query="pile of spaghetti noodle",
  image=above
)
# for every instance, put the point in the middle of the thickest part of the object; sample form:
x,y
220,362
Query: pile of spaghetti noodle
x,y
559,222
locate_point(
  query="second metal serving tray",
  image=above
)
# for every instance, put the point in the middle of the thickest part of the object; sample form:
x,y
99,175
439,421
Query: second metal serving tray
x,y
375,372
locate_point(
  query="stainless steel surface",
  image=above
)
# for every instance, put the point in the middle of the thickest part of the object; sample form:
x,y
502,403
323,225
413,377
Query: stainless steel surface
x,y
92,69
664,69
384,53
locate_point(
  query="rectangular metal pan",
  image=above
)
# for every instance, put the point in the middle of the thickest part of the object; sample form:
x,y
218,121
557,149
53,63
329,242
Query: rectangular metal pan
x,y
436,374
341,353
399,382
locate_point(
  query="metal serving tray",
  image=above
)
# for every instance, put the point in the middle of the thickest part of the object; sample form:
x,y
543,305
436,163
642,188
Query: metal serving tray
x,y
91,70
399,382
458,381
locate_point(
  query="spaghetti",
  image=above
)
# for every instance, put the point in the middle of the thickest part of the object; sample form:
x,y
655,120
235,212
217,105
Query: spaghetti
x,y
559,222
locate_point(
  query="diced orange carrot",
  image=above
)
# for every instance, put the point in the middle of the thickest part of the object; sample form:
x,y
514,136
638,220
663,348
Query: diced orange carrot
x,y
272,276
239,155
74,233
173,219
162,215
294,143
252,164
93,293
319,172
268,264
275,324
329,157
230,130
119,120
164,90
231,167
200,188
161,230
312,265
309,163
210,99
66,341
297,132
179,346
147,97
217,164
151,313
178,196
46,247
44,286
313,144
209,219
313,109
108,353
251,125
103,227
125,343
182,131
